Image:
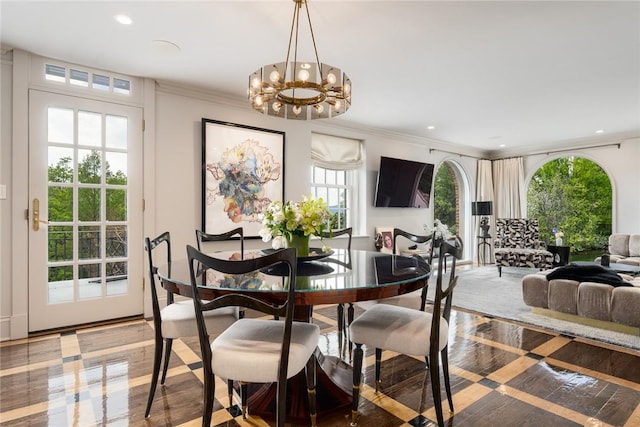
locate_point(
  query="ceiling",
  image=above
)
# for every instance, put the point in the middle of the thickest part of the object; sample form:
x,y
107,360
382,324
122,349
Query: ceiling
x,y
503,75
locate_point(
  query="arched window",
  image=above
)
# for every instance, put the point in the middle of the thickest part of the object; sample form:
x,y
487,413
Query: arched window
x,y
446,197
452,201
573,196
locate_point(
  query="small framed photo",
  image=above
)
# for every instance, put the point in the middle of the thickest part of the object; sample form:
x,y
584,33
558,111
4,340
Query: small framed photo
x,y
385,234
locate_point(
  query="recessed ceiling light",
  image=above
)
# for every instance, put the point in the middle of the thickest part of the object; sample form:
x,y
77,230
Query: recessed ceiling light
x,y
600,131
164,46
123,19
502,145
431,127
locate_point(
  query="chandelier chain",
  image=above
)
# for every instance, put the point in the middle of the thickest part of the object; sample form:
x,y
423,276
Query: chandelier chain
x,y
313,39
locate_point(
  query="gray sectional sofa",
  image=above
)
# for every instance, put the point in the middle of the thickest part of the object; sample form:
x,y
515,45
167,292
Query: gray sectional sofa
x,y
589,300
624,248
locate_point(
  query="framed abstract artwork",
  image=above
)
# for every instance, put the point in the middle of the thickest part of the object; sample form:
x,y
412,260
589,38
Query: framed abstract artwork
x,y
242,172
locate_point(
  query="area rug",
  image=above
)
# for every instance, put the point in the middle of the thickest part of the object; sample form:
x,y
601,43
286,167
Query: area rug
x,y
481,290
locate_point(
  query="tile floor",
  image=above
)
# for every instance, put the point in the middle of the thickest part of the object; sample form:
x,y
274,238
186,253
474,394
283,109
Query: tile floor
x,y
502,374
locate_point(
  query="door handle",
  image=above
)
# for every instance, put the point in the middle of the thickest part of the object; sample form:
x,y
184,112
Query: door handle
x,y
36,216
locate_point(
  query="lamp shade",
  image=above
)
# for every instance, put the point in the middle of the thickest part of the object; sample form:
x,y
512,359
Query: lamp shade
x,y
481,208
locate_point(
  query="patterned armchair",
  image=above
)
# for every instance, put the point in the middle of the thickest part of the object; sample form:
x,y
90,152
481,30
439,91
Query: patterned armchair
x,y
518,244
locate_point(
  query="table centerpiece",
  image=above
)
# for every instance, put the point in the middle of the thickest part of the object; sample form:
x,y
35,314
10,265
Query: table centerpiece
x,y
291,224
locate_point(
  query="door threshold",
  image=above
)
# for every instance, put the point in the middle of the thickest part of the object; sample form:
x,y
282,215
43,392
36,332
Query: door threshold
x,y
73,328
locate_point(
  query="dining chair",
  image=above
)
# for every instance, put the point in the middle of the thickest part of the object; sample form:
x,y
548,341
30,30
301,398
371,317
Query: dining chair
x,y
416,299
177,319
202,237
411,332
254,350
340,307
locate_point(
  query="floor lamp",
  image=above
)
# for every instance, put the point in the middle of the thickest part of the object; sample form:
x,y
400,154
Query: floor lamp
x,y
483,209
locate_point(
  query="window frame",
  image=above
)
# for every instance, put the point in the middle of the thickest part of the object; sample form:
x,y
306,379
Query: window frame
x,y
350,184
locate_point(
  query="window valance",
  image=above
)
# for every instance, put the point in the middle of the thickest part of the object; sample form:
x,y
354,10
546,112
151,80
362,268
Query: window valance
x,y
332,152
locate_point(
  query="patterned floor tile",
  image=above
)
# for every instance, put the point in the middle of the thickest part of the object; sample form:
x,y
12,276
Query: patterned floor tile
x,y
501,373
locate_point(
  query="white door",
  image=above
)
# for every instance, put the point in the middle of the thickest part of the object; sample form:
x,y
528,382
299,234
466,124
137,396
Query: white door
x,y
85,218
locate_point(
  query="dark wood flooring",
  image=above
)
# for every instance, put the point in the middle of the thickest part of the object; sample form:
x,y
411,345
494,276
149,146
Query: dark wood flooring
x,y
503,374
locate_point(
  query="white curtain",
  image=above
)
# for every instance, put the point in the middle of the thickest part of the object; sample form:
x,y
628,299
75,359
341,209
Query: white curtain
x,y
509,192
484,192
332,152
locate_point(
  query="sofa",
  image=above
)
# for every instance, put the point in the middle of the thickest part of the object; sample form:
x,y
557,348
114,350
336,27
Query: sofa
x,y
584,299
624,248
518,244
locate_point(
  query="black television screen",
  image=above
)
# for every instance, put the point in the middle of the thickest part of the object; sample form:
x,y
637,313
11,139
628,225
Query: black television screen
x,y
403,184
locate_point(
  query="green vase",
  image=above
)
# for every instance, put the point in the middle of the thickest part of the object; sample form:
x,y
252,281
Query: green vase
x,y
300,242
302,282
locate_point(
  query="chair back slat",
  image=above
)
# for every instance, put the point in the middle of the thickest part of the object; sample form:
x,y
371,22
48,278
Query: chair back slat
x,y
202,237
346,262
199,263
444,295
335,233
149,246
415,238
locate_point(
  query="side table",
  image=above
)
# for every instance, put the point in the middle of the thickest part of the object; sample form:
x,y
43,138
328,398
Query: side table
x,y
560,254
484,242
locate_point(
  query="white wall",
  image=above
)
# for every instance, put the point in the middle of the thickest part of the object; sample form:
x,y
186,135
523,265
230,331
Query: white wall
x,y
5,205
178,165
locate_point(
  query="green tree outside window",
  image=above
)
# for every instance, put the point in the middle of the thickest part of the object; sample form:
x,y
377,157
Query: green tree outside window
x,y
572,195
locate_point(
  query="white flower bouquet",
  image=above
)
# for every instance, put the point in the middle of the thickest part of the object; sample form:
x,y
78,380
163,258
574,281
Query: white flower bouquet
x,y
441,230
283,221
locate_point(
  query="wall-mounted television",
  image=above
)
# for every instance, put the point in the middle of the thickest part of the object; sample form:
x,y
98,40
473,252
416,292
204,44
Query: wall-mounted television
x,y
403,184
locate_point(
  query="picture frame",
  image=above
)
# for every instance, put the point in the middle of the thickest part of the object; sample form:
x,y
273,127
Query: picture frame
x,y
242,172
386,235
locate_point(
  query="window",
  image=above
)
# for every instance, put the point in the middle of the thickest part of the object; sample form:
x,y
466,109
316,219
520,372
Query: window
x,y
574,195
446,197
81,78
336,188
334,176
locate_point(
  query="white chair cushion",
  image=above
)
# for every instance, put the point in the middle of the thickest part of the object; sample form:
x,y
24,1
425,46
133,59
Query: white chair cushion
x,y
398,329
410,300
249,350
179,320
366,305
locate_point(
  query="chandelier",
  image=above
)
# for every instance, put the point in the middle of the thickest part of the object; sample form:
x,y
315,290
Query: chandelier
x,y
300,90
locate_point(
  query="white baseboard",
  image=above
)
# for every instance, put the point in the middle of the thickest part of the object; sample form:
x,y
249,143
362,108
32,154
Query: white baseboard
x,y
5,329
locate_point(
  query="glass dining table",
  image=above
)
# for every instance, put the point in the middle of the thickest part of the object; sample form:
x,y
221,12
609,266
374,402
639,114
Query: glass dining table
x,y
333,277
